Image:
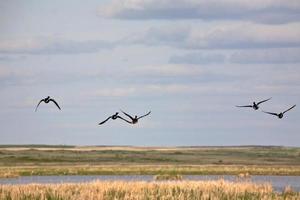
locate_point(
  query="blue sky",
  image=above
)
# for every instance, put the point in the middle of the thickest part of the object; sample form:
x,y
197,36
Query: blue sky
x,y
188,61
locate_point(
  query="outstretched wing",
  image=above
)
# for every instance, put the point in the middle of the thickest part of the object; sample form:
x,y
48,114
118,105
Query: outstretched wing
x,y
270,113
144,115
125,120
39,104
248,106
289,108
104,121
127,115
55,103
264,101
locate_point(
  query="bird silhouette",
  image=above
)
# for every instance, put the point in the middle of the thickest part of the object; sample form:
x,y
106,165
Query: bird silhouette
x,y
47,100
254,105
280,115
134,119
114,117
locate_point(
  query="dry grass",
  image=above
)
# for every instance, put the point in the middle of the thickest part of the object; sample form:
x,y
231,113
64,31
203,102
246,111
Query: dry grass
x,y
189,190
168,177
8,174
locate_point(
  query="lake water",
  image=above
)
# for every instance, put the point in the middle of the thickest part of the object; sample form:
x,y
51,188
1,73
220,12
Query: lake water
x,y
278,182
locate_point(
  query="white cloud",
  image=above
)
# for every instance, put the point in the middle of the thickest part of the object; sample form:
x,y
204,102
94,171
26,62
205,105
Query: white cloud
x,y
222,36
154,90
197,58
11,58
7,72
48,45
226,36
267,56
166,70
268,11
114,92
242,56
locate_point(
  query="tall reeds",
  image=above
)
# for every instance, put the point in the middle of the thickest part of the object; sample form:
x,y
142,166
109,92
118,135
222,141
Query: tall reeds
x,y
139,190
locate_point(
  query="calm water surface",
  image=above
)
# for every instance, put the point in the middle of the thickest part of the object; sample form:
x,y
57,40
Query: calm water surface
x,y
278,182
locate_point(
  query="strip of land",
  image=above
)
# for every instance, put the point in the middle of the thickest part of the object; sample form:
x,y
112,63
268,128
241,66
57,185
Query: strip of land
x,y
146,190
126,160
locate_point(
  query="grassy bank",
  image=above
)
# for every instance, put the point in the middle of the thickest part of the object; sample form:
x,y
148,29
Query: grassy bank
x,y
145,190
68,155
148,170
71,160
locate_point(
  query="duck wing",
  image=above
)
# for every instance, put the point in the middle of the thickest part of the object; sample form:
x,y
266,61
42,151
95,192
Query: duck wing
x,y
264,101
39,104
55,103
125,120
270,113
248,106
289,109
104,121
144,115
127,115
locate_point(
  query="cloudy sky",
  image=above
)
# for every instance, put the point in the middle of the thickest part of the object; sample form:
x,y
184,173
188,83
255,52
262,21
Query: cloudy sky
x,y
188,61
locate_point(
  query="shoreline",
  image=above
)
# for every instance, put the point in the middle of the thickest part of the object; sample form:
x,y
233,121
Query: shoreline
x,y
6,172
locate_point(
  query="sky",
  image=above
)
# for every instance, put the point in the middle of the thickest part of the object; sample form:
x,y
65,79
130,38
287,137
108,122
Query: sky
x,y
188,61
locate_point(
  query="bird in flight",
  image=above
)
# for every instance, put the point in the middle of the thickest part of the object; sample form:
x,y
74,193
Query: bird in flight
x,y
47,100
254,105
280,115
134,119
114,117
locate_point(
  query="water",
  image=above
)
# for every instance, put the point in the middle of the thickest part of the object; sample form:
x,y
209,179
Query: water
x,y
278,182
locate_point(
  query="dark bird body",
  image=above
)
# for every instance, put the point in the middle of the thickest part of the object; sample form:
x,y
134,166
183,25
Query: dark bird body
x,y
47,100
114,117
134,119
254,105
280,115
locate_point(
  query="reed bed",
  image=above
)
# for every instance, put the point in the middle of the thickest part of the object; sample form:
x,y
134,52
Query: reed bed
x,y
168,177
139,190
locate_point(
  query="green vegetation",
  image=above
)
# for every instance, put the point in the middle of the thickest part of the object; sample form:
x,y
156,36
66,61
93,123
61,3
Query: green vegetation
x,y
71,160
68,155
148,170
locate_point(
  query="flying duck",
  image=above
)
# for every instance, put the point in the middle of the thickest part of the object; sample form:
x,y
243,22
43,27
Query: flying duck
x,y
280,115
134,119
47,100
254,105
114,117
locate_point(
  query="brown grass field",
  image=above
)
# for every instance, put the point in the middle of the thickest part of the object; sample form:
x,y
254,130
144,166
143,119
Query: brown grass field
x,y
181,190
